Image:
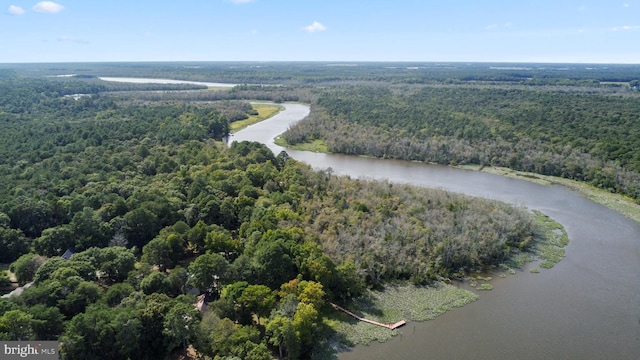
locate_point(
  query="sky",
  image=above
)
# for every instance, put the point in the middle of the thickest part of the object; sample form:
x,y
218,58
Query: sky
x,y
558,31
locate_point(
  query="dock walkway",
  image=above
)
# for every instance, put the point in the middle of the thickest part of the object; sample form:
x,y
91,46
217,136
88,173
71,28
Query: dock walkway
x,y
388,326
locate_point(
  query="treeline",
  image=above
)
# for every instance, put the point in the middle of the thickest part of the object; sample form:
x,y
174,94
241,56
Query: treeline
x,y
277,94
314,73
586,137
157,211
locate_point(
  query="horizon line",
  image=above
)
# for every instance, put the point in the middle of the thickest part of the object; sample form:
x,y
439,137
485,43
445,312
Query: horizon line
x,y
319,62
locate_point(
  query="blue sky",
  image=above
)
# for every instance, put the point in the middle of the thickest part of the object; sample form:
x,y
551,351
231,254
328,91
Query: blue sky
x,y
590,31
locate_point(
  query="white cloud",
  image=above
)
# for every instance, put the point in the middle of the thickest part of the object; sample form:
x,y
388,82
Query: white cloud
x,y
15,10
626,27
315,27
76,40
47,7
242,1
625,5
496,26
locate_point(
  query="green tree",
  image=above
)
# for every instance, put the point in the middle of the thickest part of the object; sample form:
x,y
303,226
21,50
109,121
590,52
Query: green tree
x,y
156,282
273,264
30,216
258,299
153,342
180,325
54,241
116,262
116,293
207,272
219,240
178,280
311,292
305,323
17,324
89,230
141,226
84,294
26,266
13,244
102,333
157,252
280,333
351,283
196,236
47,323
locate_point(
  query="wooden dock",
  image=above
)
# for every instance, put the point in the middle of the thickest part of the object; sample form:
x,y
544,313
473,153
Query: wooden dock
x,y
388,326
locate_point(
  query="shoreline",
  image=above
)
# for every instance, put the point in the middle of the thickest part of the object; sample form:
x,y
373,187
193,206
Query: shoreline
x,y
401,299
616,202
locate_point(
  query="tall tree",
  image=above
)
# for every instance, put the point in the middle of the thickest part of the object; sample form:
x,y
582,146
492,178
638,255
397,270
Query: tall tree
x,y
17,324
281,333
258,299
208,271
181,324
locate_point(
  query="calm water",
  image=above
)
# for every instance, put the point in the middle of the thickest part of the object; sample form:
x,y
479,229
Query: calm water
x,y
162,81
586,307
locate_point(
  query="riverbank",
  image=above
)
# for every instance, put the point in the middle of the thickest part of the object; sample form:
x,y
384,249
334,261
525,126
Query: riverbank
x,y
616,202
405,301
393,303
265,111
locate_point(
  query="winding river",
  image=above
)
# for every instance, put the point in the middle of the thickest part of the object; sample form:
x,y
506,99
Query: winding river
x,y
586,307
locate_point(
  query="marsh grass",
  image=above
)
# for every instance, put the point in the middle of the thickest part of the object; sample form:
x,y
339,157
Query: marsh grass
x,y
622,204
485,287
265,111
318,146
518,260
395,303
553,239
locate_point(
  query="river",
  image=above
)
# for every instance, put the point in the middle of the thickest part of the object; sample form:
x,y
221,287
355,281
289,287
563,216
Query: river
x,y
162,81
586,307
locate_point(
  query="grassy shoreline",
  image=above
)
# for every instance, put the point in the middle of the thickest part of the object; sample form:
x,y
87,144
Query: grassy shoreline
x,y
395,302
405,301
616,202
265,111
314,146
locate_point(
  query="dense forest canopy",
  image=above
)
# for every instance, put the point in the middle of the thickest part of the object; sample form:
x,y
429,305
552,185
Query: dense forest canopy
x,y
157,209
327,72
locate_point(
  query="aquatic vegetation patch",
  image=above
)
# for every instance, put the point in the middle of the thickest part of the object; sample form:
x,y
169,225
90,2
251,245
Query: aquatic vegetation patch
x,y
485,287
395,303
553,238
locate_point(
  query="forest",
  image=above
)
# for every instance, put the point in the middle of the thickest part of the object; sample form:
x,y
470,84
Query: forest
x,y
160,214
579,135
